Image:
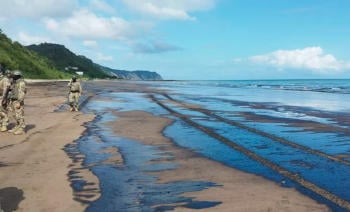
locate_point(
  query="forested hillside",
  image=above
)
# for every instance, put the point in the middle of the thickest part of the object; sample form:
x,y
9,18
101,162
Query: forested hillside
x,y
15,56
54,61
66,60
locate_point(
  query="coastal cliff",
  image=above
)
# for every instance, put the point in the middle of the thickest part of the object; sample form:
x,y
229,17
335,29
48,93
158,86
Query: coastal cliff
x,y
132,75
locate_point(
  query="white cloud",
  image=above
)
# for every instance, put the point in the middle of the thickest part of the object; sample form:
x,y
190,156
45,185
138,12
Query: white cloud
x,y
90,43
170,9
310,58
154,47
102,6
36,8
27,39
85,24
102,57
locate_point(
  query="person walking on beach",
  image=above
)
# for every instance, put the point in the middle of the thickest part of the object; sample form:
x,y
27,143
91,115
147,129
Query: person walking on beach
x,y
16,96
75,92
5,84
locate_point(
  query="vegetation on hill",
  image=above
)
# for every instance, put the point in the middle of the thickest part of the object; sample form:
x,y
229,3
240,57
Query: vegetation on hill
x,y
54,61
14,56
67,61
132,75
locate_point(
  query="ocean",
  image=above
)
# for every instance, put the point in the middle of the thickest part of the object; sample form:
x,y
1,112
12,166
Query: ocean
x,y
293,132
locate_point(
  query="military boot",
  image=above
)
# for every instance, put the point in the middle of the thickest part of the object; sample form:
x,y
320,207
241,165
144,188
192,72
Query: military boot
x,y
19,131
3,129
14,129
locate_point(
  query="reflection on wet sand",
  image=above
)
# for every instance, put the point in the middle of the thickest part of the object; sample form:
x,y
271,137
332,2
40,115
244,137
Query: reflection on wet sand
x,y
138,168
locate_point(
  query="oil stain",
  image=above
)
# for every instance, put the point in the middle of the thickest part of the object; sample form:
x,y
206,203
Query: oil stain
x,y
126,184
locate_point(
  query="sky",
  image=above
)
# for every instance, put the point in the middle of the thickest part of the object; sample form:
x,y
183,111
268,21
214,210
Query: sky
x,y
193,39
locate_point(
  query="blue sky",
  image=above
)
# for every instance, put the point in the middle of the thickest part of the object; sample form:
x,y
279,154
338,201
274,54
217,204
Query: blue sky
x,y
194,39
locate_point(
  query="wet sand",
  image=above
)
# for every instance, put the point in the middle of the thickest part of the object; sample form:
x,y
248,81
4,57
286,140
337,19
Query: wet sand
x,y
238,191
36,169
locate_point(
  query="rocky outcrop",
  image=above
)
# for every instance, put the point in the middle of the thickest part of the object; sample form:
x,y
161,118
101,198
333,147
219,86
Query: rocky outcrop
x,y
132,75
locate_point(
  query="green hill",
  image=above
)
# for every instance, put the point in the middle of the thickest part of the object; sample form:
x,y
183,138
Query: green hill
x,y
54,61
15,56
67,61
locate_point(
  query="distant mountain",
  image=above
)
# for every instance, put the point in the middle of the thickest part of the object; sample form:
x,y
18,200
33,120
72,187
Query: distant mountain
x,y
66,60
132,75
15,56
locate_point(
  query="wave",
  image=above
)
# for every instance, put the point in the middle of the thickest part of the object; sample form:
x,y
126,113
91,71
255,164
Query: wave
x,y
326,86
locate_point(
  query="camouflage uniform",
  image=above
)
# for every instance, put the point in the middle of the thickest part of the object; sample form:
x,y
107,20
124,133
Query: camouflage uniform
x,y
74,94
5,84
18,91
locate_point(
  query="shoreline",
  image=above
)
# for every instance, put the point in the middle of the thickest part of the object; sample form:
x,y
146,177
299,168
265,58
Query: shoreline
x,y
147,129
38,165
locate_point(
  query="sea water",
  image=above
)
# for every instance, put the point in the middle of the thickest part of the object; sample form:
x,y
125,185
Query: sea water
x,y
330,95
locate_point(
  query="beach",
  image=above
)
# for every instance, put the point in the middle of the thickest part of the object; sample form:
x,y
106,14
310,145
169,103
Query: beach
x,y
87,160
34,165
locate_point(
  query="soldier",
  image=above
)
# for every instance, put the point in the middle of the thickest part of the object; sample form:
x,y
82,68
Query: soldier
x,y
18,91
75,92
5,84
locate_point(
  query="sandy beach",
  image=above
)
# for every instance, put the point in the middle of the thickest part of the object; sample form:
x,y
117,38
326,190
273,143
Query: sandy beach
x,y
36,173
34,165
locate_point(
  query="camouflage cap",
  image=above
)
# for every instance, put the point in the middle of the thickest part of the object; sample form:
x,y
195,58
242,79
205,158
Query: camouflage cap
x,y
8,71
